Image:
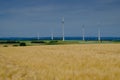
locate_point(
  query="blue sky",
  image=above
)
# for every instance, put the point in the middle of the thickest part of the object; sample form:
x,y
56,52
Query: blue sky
x,y
26,18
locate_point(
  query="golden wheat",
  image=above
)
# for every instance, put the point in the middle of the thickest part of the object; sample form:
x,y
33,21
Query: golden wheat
x,y
61,62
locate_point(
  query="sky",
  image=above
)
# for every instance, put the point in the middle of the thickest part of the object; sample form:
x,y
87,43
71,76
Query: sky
x,y
27,18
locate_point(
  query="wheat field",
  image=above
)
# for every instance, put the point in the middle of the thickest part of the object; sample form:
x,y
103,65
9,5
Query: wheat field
x,y
61,62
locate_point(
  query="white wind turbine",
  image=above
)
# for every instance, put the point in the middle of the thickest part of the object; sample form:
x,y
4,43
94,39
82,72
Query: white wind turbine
x,y
99,33
83,33
52,36
63,36
38,37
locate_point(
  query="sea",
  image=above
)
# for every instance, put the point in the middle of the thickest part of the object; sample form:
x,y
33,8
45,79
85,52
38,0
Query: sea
x,y
60,38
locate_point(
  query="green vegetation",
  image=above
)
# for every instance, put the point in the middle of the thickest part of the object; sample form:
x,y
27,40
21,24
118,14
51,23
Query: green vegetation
x,y
8,42
117,41
23,44
53,42
36,41
5,43
15,45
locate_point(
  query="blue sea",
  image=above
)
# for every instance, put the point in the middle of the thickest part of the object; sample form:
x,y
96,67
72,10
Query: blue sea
x,y
60,38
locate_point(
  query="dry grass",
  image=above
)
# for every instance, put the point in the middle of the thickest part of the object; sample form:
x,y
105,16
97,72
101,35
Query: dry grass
x,y
61,62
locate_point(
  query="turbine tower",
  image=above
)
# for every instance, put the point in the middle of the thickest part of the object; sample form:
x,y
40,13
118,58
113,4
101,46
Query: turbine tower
x,y
52,36
38,37
99,34
83,33
63,29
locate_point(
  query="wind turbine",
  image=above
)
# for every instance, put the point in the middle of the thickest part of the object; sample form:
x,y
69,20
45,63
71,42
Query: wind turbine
x,y
63,29
99,33
52,36
83,33
38,37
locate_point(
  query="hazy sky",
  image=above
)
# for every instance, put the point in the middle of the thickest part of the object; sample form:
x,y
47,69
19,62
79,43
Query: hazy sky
x,y
26,18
